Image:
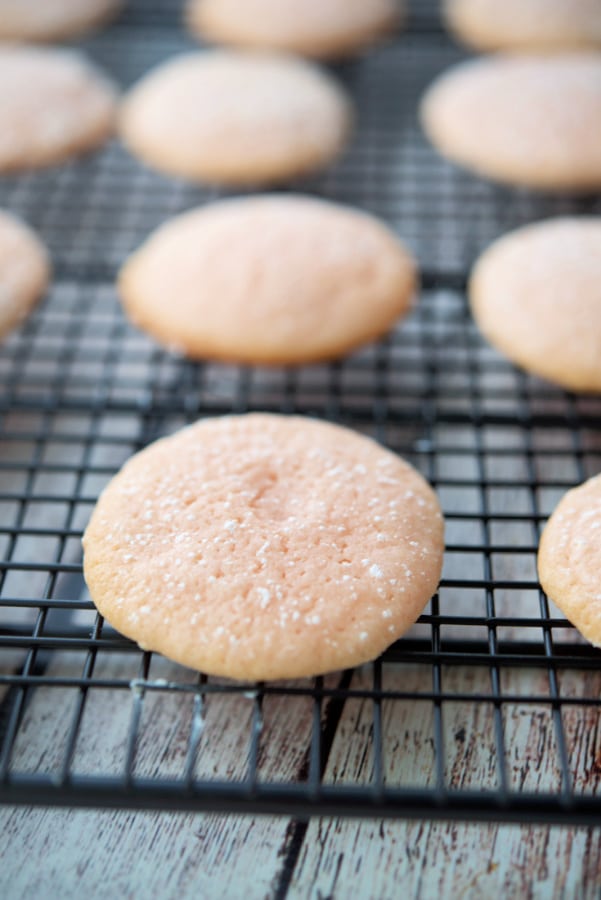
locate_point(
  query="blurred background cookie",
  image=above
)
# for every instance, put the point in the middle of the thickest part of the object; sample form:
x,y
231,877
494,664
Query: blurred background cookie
x,y
536,295
528,121
53,20
318,28
569,558
54,104
24,271
236,118
525,25
273,279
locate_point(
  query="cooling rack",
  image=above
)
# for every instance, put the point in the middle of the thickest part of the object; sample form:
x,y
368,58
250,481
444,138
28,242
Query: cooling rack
x,y
490,708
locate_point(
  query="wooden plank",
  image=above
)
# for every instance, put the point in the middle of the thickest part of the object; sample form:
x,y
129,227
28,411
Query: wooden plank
x,y
373,859
381,860
143,854
138,855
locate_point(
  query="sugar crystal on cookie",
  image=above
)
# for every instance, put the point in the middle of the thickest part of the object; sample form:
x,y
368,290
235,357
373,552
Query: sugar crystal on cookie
x,y
347,594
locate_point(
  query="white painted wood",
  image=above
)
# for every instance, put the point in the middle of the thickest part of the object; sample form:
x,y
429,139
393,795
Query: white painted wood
x,y
62,855
377,859
385,860
143,854
131,853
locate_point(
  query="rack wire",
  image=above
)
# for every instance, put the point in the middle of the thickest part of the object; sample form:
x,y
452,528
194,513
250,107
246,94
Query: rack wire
x,y
490,709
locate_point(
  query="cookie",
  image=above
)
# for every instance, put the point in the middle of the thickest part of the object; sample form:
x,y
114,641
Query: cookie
x,y
531,121
54,105
53,20
525,25
569,558
24,271
263,546
318,28
536,296
270,279
236,119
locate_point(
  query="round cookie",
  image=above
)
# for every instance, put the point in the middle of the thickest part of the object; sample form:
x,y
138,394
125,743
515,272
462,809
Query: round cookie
x,y
263,546
270,279
53,20
569,558
536,296
529,121
53,105
24,271
525,25
318,28
235,118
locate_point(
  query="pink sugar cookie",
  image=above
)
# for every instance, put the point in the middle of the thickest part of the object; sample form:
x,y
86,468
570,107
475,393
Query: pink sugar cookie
x,y
536,295
569,558
269,279
236,119
318,28
53,20
54,105
263,546
541,26
532,121
24,271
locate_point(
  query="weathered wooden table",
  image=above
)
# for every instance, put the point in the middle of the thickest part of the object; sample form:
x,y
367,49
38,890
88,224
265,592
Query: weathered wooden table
x,y
472,749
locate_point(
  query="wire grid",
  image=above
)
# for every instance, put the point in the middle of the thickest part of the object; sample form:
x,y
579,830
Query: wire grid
x,y
490,708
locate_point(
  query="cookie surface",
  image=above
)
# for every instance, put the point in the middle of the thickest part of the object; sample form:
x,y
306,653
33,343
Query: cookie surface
x,y
236,118
569,558
317,28
270,279
536,296
263,546
53,105
24,271
530,121
525,25
53,20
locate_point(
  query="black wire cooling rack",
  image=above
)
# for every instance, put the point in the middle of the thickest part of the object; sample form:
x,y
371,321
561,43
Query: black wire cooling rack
x,y
490,709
